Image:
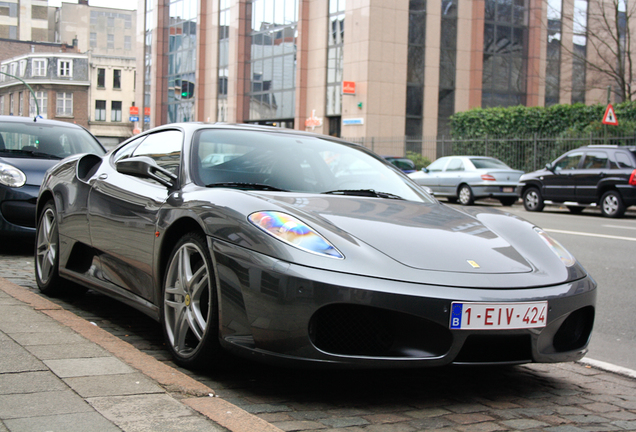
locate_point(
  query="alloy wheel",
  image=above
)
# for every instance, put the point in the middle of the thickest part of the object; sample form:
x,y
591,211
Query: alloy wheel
x,y
46,246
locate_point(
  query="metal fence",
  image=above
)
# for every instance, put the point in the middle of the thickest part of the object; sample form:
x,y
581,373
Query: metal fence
x,y
525,153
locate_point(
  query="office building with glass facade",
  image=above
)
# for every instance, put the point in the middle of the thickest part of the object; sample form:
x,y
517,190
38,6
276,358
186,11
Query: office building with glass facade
x,y
356,68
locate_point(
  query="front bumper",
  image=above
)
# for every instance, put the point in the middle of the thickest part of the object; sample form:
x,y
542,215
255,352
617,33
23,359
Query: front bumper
x,y
280,311
497,190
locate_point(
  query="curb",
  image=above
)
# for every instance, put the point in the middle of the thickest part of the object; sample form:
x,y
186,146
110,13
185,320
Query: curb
x,y
609,367
198,396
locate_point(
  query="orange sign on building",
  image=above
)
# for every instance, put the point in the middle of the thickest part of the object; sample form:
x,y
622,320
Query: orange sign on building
x,y
134,110
349,87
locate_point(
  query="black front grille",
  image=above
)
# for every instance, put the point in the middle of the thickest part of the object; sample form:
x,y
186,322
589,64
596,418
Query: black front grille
x,y
346,329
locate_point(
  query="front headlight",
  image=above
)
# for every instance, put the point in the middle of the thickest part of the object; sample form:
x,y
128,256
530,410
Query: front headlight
x,y
556,247
293,232
11,176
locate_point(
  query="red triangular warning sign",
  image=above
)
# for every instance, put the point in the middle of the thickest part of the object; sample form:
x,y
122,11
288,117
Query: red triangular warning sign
x,y
610,118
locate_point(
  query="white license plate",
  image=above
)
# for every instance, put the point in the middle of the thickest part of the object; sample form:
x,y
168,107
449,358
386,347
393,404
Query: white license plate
x,y
508,189
493,316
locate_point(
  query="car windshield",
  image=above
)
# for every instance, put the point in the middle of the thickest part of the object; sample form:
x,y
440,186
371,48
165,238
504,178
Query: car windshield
x,y
39,139
298,163
488,163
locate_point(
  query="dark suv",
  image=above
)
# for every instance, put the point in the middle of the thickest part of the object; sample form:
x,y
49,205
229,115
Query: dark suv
x,y
590,176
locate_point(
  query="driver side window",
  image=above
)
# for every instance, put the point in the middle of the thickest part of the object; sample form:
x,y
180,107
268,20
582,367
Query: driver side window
x,y
568,162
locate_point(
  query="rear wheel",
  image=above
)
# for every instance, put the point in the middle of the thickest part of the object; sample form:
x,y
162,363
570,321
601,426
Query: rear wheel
x,y
532,200
190,311
612,205
465,195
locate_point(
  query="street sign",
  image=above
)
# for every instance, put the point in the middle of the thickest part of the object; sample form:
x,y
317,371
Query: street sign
x,y
134,118
349,87
134,110
610,117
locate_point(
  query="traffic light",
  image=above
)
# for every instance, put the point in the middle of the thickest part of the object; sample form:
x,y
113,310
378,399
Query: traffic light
x,y
187,89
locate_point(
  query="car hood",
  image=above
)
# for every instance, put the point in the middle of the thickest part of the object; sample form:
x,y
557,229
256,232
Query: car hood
x,y
427,237
33,168
394,239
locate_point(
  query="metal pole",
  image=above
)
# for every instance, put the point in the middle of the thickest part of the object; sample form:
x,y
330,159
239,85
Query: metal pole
x,y
37,107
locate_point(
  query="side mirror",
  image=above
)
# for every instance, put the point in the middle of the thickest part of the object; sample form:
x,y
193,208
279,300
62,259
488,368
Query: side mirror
x,y
146,167
424,169
549,167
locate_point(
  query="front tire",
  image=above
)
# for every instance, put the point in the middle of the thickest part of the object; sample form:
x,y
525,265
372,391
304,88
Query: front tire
x,y
532,200
47,247
465,195
190,310
612,205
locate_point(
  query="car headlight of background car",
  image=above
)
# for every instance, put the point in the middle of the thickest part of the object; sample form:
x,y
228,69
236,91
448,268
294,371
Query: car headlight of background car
x,y
11,176
556,247
293,232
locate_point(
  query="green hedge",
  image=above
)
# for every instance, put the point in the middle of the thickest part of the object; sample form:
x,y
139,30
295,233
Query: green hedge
x,y
556,120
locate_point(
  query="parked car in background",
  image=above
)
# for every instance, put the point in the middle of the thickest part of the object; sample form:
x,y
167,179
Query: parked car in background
x,y
308,249
405,164
28,148
469,178
603,176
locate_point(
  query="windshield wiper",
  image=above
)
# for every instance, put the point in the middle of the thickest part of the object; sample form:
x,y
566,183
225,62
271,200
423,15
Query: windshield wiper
x,y
247,186
31,153
365,193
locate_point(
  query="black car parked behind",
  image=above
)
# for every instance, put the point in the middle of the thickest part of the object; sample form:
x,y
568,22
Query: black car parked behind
x,y
600,175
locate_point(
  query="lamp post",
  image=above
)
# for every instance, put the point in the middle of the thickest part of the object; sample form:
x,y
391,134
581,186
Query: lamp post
x,y
37,106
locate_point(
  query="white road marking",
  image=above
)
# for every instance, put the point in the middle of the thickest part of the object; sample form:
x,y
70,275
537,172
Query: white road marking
x,y
590,234
619,227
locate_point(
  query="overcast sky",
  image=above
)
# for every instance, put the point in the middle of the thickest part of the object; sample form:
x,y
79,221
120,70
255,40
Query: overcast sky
x,y
117,4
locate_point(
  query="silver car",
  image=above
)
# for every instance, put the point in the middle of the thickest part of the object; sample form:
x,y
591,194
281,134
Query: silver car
x,y
468,178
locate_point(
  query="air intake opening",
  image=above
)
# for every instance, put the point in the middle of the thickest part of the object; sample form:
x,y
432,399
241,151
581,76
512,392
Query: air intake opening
x,y
575,331
368,331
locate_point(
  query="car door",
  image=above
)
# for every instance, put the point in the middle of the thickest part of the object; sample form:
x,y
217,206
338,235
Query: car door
x,y
430,176
450,178
558,183
123,212
595,166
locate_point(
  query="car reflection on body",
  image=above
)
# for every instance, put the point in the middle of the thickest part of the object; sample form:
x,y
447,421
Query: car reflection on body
x,y
469,178
305,249
406,165
28,147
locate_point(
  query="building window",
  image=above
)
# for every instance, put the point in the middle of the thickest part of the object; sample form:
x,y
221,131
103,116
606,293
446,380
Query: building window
x,y
110,21
553,53
20,103
101,77
11,102
579,49
39,67
335,65
110,43
41,97
64,104
93,38
2,105
505,59
115,111
272,74
13,67
182,55
117,78
224,61
65,68
127,43
100,110
447,67
13,32
415,76
23,65
127,21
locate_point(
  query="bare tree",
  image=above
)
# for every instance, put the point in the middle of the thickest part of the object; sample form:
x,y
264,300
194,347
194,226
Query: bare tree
x,y
601,44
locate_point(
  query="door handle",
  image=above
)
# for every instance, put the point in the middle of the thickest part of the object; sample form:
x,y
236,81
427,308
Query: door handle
x,y
103,176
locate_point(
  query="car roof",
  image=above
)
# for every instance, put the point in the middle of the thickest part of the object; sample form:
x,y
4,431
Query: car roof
x,y
29,120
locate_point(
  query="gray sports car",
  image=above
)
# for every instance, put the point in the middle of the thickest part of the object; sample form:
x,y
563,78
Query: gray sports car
x,y
301,248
